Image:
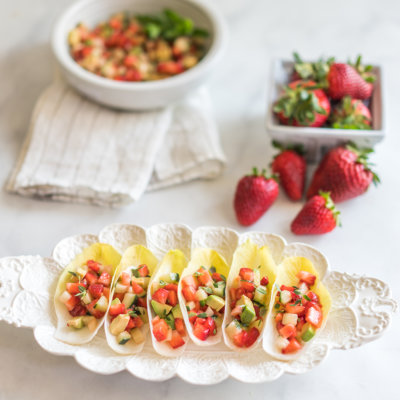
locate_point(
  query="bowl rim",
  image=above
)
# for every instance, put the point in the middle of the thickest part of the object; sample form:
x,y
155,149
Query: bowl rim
x,y
219,39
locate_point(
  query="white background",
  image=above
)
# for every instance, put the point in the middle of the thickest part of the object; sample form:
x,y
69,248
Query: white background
x,y
368,242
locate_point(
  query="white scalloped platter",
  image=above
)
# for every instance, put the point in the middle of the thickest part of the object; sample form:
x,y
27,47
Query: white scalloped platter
x,y
362,307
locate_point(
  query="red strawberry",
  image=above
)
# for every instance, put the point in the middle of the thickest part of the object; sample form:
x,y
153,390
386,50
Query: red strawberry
x,y
345,79
290,165
303,104
344,172
254,196
351,114
318,216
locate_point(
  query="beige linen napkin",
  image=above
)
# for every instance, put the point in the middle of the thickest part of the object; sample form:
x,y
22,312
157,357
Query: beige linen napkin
x,y
79,151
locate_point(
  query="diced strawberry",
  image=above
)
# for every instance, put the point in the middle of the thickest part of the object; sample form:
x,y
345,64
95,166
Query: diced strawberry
x,y
130,60
137,289
93,265
133,75
201,329
264,281
278,317
78,310
92,310
190,280
155,320
289,288
247,286
131,324
141,302
160,295
232,293
126,278
250,295
143,270
211,324
292,347
192,319
116,309
170,67
72,302
239,338
236,311
239,293
176,340
138,322
314,316
160,330
96,290
300,322
294,309
115,23
172,298
91,277
73,288
189,292
171,286
180,326
106,292
204,277
307,277
251,337
247,274
257,310
119,296
216,277
287,331
312,296
105,279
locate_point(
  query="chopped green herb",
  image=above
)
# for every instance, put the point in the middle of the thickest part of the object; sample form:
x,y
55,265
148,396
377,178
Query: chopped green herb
x,y
82,291
296,291
307,298
214,332
202,315
188,308
135,273
73,273
206,289
213,270
277,305
162,283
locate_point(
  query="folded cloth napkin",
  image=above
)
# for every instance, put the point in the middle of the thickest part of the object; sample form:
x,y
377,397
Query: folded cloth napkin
x,y
79,151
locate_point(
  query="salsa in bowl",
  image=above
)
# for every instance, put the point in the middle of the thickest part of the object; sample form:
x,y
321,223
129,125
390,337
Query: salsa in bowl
x,y
137,82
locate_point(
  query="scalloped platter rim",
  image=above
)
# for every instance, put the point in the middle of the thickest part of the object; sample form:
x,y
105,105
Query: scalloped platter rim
x,y
362,307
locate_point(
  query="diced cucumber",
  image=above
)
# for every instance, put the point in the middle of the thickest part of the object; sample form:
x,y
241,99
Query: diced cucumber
x,y
120,288
248,313
176,312
142,281
160,309
123,337
289,319
64,296
129,299
285,296
260,295
192,314
170,321
137,335
219,288
116,301
143,314
201,294
233,328
215,302
90,322
76,323
102,304
87,298
308,333
256,324
119,324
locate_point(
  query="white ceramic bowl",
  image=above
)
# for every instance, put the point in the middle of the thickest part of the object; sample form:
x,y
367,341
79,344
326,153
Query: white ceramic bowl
x,y
317,141
137,95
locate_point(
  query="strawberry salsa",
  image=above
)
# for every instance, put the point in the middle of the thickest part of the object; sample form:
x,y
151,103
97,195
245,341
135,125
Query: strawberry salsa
x,y
86,294
248,297
140,47
204,292
128,310
298,314
168,325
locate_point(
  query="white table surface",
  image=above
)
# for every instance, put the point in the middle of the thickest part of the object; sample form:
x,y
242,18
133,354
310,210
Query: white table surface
x,y
367,242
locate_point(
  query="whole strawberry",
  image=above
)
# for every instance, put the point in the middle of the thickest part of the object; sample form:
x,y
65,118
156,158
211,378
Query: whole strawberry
x,y
344,172
318,216
254,196
354,80
290,165
303,104
351,114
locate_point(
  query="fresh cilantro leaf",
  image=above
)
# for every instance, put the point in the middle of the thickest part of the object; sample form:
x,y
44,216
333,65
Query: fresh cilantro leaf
x,y
213,270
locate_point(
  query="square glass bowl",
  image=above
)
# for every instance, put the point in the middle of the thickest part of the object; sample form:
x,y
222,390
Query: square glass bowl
x,y
317,141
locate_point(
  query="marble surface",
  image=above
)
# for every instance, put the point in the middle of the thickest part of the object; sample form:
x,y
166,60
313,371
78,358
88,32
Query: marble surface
x,y
367,242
